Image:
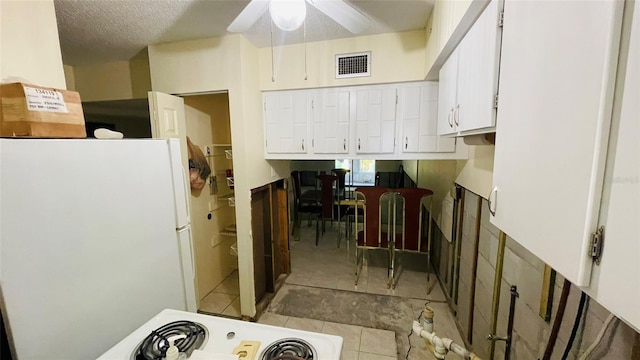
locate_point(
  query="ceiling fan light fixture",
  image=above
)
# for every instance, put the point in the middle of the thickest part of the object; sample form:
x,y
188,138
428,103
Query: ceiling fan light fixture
x,y
288,15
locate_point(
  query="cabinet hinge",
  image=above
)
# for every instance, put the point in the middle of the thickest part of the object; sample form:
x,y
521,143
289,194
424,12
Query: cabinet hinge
x,y
396,99
501,19
311,104
597,239
495,101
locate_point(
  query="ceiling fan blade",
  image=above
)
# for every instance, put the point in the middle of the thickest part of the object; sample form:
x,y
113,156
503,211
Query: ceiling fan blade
x,y
248,16
343,13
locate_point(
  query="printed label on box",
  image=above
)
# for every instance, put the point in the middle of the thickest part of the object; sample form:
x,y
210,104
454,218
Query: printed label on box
x,y
45,100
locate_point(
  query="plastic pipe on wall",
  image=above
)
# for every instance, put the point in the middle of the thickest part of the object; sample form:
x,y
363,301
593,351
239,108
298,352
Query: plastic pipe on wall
x,y
441,346
495,303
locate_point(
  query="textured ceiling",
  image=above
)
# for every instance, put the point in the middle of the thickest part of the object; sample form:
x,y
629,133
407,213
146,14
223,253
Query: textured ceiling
x,y
99,31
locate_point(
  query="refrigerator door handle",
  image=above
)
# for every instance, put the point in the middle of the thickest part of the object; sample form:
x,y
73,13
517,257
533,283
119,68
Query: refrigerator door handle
x,y
187,188
193,260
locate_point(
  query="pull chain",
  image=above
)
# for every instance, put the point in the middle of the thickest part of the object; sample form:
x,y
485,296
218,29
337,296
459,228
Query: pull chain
x,y
273,76
304,40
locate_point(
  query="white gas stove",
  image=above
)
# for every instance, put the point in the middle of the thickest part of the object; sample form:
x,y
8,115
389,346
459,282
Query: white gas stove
x,y
218,338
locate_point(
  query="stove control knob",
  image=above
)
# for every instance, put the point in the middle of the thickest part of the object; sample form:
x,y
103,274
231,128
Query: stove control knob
x,y
231,335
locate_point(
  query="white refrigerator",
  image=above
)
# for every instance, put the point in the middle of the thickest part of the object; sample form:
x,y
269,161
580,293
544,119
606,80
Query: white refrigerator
x,y
95,239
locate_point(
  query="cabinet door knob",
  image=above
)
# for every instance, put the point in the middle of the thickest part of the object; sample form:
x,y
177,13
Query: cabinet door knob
x,y
456,115
302,144
406,142
358,143
344,144
449,118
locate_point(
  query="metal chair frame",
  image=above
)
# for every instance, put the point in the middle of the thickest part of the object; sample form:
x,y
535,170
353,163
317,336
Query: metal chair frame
x,y
361,202
403,235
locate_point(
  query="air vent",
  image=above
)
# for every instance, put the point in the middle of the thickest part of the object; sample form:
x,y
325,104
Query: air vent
x,y
353,65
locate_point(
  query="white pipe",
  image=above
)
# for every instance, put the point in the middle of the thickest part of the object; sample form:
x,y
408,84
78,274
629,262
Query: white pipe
x,y
441,346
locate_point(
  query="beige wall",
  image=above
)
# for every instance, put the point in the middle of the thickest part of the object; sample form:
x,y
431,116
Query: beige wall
x,y
29,45
140,75
394,57
216,106
118,80
446,15
476,174
69,77
109,81
217,64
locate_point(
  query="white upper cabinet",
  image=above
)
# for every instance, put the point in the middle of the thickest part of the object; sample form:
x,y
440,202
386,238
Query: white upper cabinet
x,y
615,282
375,119
385,121
447,98
557,75
331,118
286,118
469,78
418,111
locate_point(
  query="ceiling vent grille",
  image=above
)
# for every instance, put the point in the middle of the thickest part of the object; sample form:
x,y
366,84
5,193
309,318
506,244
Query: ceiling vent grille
x,y
353,65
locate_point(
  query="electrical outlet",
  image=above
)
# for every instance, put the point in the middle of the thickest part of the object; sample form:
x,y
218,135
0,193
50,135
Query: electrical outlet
x,y
208,150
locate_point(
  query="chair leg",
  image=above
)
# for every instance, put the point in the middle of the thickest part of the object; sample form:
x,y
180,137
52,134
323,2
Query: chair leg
x,y
391,274
317,231
358,265
295,220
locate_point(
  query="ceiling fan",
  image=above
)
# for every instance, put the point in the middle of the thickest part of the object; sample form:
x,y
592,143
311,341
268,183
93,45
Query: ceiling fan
x,y
289,15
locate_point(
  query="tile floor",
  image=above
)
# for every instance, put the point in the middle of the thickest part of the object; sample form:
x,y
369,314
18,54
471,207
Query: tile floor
x,y
360,343
330,267
224,299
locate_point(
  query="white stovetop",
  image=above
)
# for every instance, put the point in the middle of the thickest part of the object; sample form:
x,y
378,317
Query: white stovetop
x,y
328,347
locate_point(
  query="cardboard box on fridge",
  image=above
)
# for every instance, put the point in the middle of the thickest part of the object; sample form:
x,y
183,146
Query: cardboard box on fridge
x,y
36,111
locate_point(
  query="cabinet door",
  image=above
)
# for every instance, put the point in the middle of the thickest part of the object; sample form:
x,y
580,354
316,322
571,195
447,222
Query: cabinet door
x,y
375,120
286,114
556,78
331,121
419,116
447,95
477,84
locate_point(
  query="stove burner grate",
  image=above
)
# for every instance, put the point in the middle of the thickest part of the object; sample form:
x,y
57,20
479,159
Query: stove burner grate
x,y
289,349
155,346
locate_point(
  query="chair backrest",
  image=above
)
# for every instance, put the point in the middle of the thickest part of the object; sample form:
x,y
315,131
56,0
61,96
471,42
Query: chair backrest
x,y
327,194
372,234
295,179
411,222
341,174
308,178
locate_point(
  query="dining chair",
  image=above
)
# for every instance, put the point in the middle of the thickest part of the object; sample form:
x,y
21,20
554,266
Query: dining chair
x,y
309,204
408,224
344,211
374,205
327,201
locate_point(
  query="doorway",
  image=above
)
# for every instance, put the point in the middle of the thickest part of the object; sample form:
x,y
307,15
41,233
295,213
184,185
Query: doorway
x,y
212,208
